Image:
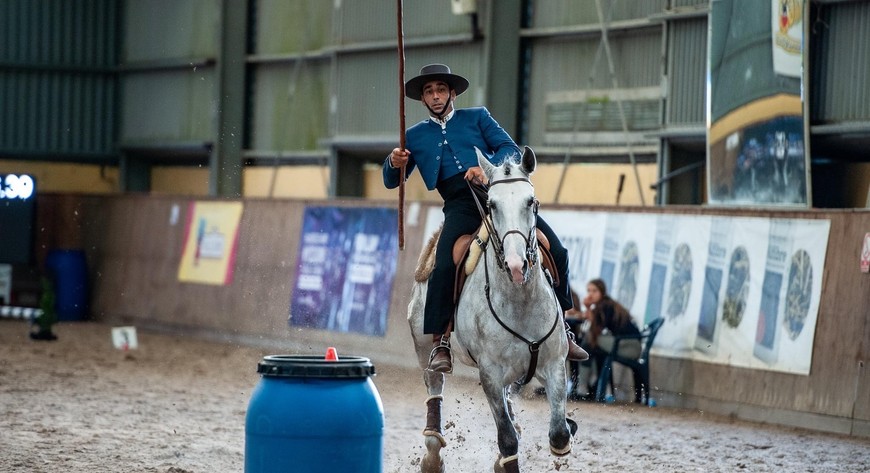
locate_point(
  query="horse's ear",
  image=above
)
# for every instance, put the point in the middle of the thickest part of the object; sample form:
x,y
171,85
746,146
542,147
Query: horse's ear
x,y
529,161
483,162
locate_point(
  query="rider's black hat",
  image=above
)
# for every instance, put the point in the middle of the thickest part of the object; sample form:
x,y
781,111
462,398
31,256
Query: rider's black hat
x,y
414,87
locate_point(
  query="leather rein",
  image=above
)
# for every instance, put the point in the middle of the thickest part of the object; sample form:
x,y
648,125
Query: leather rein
x,y
531,257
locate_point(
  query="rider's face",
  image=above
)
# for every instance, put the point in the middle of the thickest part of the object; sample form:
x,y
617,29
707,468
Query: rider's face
x,y
435,95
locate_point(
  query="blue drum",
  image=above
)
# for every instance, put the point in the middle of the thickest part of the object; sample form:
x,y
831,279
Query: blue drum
x,y
314,415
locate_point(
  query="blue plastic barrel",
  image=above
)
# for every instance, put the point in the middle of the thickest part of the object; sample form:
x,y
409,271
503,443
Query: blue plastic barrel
x,y
311,415
70,275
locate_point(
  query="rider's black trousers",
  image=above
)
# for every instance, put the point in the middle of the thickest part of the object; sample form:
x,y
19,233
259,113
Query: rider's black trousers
x,y
461,217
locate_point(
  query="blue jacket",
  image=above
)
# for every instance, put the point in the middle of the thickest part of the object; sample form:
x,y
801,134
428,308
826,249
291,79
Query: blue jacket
x,y
469,127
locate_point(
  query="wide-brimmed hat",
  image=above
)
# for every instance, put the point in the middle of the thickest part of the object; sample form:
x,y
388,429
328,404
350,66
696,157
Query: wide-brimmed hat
x,y
414,87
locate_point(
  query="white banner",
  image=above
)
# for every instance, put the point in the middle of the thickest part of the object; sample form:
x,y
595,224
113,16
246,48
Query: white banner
x,y
787,35
740,291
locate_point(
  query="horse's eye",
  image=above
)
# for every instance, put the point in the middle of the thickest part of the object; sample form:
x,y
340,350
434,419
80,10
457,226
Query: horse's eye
x,y
491,205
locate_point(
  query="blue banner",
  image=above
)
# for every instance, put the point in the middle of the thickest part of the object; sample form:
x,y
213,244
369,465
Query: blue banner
x,y
345,269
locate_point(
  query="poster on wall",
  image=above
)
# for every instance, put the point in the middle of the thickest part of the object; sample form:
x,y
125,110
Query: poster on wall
x,y
583,239
345,269
756,141
739,291
210,239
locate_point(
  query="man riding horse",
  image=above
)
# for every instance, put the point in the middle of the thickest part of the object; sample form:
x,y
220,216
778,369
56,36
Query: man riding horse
x,y
442,147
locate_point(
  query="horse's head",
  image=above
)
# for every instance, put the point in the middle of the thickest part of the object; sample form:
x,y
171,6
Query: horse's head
x,y
514,210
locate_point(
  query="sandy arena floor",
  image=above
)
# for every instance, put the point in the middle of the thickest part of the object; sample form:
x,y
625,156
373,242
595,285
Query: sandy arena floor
x,y
177,405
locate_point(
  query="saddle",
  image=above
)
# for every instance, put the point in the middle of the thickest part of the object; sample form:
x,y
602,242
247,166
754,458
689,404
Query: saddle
x,y
468,249
466,255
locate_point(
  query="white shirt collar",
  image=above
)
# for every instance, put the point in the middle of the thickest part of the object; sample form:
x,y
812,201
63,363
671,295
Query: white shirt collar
x,y
443,123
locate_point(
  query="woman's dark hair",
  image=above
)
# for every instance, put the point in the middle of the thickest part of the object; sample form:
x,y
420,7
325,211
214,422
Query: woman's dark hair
x,y
621,316
602,287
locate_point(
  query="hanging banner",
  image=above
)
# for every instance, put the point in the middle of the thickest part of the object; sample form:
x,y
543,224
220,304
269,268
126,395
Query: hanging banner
x,y
210,239
788,37
346,266
740,291
757,135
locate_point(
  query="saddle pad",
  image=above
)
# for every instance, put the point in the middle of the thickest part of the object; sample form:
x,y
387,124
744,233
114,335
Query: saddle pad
x,y
474,251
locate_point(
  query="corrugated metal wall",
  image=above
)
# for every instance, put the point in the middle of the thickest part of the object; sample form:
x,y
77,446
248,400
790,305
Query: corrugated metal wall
x,y
569,83
290,72
687,71
168,75
366,82
566,13
842,64
57,82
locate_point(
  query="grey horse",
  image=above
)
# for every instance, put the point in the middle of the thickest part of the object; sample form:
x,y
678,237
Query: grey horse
x,y
506,320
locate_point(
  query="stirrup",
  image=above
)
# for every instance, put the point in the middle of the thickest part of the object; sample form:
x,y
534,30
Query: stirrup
x,y
445,345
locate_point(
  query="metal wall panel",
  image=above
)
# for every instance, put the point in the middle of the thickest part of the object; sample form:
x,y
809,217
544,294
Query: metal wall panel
x,y
366,87
169,106
159,29
57,85
841,64
687,72
375,20
290,106
560,65
291,26
556,13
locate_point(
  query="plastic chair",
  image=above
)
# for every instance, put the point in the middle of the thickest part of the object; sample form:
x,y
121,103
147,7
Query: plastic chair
x,y
639,366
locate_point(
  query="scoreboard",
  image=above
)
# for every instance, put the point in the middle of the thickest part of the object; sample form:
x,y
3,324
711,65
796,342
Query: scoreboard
x,y
17,217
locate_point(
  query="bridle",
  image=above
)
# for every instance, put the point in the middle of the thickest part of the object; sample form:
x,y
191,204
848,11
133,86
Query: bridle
x,y
531,257
530,239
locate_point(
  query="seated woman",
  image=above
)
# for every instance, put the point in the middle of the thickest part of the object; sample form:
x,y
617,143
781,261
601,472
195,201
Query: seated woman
x,y
606,319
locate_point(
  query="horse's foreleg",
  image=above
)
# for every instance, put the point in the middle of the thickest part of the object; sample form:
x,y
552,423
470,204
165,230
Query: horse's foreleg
x,y
508,441
432,462
560,432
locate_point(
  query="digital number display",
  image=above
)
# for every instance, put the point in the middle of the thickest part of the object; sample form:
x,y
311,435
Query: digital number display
x,y
17,217
16,186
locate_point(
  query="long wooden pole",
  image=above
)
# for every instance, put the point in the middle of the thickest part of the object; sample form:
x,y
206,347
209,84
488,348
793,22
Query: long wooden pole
x,y
401,42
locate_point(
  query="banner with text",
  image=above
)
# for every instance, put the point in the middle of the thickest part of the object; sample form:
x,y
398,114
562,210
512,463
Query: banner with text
x,y
740,291
210,240
345,269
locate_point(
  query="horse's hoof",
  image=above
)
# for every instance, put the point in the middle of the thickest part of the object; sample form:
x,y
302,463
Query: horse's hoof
x,y
432,464
572,429
509,464
572,426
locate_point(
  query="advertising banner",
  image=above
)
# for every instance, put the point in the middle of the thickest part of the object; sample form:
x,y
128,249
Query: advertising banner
x,y
740,291
210,240
345,270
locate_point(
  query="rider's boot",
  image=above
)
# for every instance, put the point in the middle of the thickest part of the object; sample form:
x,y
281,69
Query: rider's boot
x,y
575,353
440,359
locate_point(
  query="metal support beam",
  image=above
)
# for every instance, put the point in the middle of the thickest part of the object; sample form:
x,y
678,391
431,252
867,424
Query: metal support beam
x,y
135,174
226,163
502,49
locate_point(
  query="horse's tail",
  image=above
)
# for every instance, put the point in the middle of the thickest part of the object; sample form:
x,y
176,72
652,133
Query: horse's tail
x,y
426,260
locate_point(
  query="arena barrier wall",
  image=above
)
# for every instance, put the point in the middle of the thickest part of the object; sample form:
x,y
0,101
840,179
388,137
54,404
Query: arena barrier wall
x,y
134,244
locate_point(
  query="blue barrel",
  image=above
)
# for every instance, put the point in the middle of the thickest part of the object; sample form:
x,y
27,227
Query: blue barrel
x,y
70,276
311,415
